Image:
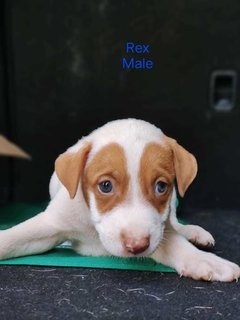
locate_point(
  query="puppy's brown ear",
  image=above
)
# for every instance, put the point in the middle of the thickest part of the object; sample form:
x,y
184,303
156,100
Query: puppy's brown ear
x,y
185,166
70,166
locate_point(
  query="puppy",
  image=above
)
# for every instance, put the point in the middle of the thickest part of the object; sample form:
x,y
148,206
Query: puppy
x,y
113,193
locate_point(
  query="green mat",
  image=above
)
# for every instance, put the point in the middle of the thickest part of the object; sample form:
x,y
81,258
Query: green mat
x,y
64,256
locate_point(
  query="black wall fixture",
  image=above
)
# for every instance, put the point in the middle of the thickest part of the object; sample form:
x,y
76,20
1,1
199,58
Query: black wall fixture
x,y
68,80
223,88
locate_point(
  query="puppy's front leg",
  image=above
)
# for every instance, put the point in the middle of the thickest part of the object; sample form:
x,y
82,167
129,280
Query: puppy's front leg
x,y
195,234
35,235
176,252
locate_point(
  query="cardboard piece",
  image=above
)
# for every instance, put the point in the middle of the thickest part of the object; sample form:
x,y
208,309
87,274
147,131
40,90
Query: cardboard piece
x,y
8,148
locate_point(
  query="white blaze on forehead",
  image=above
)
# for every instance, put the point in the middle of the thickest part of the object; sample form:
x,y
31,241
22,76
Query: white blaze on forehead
x,y
133,155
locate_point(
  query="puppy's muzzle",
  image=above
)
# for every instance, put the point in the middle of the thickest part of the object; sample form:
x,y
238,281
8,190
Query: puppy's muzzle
x,y
135,246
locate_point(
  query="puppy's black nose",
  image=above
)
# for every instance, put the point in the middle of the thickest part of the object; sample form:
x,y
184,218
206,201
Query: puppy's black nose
x,y
135,246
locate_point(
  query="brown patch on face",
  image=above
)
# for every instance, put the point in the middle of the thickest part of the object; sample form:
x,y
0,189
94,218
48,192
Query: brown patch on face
x,y
109,164
156,164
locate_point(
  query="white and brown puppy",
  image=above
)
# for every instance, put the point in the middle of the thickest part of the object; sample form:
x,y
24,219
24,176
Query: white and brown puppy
x,y
113,193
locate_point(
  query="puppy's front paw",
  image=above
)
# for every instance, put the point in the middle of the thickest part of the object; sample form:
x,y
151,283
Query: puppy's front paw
x,y
209,267
199,236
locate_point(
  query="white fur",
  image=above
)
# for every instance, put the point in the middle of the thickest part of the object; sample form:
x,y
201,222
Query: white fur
x,y
92,233
136,218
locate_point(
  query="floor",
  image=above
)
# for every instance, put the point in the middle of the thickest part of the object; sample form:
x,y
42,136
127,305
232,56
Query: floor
x,y
78,293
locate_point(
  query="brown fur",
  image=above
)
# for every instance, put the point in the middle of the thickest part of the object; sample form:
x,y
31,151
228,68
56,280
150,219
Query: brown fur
x,y
156,164
108,164
69,168
185,165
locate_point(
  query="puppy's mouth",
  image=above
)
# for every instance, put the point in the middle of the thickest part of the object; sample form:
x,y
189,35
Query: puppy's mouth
x,y
145,253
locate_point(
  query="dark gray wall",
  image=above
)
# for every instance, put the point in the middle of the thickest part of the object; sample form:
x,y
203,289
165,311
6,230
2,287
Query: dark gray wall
x,y
68,79
6,164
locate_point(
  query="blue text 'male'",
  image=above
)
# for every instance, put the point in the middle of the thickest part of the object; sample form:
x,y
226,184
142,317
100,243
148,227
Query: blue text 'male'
x,y
132,63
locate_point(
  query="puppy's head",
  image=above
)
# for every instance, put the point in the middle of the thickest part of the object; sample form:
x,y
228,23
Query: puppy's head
x,y
127,171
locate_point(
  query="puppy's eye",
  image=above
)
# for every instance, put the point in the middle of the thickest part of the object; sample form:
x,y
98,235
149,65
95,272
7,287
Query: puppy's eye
x,y
105,186
160,187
